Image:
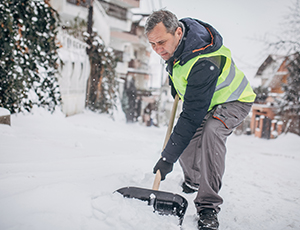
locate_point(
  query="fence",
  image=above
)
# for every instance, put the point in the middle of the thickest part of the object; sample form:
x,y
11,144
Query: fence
x,y
267,128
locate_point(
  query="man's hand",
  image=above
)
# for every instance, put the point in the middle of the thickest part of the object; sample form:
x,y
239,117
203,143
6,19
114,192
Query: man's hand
x,y
164,167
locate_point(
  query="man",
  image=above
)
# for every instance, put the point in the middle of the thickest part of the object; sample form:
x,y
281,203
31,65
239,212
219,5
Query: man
x,y
216,98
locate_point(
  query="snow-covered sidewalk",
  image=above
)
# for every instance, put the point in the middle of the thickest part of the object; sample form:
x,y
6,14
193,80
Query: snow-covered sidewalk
x,y
60,173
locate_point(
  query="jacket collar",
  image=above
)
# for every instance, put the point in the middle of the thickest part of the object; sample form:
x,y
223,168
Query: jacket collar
x,y
198,38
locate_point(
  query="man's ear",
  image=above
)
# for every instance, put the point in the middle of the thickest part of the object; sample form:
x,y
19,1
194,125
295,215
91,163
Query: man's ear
x,y
178,31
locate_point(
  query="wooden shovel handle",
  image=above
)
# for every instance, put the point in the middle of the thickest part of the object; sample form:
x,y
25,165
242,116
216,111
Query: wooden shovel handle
x,y
157,178
156,182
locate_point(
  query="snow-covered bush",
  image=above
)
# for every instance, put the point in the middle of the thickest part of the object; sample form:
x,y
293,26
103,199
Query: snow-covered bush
x,y
28,55
102,87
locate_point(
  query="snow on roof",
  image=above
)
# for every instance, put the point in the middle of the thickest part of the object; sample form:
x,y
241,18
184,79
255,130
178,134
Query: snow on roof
x,y
269,69
4,112
273,61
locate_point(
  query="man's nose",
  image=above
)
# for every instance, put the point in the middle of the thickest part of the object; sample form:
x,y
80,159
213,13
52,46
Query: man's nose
x,y
158,49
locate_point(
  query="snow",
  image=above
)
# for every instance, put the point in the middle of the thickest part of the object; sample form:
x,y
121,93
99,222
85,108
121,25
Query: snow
x,y
4,112
61,172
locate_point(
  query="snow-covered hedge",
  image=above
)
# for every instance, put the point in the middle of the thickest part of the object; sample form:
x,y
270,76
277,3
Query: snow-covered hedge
x,y
28,55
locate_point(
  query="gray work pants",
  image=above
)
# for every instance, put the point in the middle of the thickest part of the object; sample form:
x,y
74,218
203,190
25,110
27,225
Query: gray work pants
x,y
203,161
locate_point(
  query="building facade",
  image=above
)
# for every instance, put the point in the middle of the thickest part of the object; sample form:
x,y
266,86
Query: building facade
x,y
266,121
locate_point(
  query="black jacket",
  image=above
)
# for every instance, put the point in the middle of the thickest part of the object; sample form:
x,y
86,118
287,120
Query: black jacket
x,y
198,38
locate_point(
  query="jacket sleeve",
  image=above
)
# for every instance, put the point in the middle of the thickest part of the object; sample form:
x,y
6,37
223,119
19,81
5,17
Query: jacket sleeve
x,y
200,88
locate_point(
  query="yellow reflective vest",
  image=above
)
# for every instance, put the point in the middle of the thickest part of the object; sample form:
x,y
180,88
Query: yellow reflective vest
x,y
232,85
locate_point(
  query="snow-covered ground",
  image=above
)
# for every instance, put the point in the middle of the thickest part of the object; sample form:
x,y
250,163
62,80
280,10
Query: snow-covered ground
x,y
59,173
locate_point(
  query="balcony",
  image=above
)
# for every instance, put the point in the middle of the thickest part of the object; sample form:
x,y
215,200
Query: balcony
x,y
124,3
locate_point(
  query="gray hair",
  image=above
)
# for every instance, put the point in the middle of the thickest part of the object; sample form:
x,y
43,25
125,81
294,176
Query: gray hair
x,y
169,20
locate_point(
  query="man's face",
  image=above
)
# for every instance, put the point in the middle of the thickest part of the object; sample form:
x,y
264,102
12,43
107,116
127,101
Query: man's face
x,y
163,43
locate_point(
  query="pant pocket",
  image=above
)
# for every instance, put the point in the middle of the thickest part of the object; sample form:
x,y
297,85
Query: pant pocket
x,y
232,114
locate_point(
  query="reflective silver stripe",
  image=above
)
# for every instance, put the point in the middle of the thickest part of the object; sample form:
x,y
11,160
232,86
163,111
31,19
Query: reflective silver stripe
x,y
179,92
228,79
237,93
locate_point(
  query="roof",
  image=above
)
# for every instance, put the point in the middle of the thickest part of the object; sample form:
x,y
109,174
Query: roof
x,y
273,61
274,71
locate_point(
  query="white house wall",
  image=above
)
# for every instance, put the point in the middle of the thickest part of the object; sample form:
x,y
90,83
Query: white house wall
x,y
118,24
73,74
101,24
68,12
122,68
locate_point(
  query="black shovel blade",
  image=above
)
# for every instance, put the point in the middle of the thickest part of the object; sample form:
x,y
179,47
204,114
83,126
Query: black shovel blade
x,y
165,203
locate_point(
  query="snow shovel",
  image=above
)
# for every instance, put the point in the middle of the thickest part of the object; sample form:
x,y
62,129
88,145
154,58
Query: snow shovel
x,y
165,203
